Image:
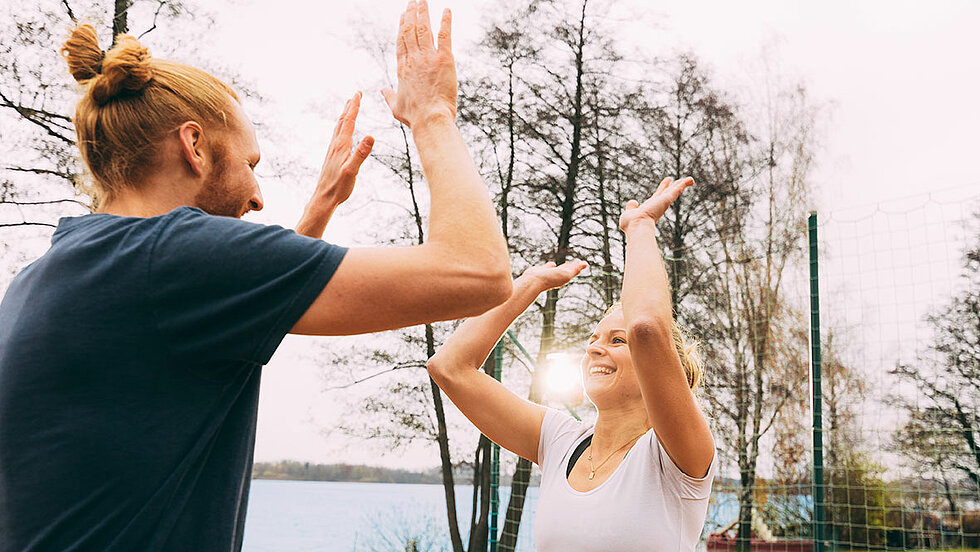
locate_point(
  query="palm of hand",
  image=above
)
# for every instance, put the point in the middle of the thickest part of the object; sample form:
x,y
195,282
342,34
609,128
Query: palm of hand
x,y
341,164
656,205
550,276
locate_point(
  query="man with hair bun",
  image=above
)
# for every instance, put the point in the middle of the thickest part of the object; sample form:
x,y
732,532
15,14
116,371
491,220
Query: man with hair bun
x,y
130,353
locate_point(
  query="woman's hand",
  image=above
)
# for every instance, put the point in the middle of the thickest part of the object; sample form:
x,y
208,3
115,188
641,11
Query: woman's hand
x,y
549,276
654,207
338,173
427,86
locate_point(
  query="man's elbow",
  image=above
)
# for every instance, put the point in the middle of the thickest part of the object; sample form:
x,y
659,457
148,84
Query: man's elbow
x,y
491,291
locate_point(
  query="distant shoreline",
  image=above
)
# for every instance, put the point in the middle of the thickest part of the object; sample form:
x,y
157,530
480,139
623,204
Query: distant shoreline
x,y
291,470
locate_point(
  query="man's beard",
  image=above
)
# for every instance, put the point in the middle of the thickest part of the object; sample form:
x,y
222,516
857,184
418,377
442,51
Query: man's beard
x,y
219,196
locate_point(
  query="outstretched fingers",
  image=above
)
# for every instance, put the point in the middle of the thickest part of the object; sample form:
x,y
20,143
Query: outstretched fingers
x,y
566,272
340,122
345,124
574,267
401,47
409,31
423,28
353,107
446,31
361,152
679,186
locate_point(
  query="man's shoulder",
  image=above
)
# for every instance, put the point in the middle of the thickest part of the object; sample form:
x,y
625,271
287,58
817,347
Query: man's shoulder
x,y
193,219
189,228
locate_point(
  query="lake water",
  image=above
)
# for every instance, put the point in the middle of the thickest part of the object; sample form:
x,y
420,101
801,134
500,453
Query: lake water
x,y
308,516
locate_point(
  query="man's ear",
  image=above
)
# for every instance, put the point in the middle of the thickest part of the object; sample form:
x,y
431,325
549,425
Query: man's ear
x,y
191,138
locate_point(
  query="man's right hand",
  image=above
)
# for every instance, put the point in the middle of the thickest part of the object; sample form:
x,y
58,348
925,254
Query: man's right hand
x,y
427,84
462,269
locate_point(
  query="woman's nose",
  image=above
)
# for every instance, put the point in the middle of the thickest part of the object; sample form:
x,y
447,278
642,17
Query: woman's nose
x,y
594,349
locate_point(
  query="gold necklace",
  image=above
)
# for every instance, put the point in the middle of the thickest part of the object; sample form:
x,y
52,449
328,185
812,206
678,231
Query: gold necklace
x,y
593,468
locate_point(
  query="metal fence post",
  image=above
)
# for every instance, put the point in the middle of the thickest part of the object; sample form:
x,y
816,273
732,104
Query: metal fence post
x,y
816,394
498,358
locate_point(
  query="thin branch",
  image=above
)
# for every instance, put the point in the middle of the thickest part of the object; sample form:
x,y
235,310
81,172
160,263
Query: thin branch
x,y
31,115
25,223
45,202
50,172
399,366
160,5
71,14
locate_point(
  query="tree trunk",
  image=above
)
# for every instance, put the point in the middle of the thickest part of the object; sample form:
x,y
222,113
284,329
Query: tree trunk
x,y
442,436
522,473
609,282
444,454
480,522
744,537
482,466
120,23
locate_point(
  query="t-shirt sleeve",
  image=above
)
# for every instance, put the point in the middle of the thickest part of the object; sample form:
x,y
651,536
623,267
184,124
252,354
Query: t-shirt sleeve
x,y
222,288
687,487
556,429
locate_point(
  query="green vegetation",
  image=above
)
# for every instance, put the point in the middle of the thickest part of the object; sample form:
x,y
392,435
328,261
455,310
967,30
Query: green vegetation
x,y
304,471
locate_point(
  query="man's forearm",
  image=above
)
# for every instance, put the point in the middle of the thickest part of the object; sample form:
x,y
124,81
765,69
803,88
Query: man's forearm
x,y
316,216
461,215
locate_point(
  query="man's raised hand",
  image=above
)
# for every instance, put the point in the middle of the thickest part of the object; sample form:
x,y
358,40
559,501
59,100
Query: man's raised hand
x,y
427,84
338,173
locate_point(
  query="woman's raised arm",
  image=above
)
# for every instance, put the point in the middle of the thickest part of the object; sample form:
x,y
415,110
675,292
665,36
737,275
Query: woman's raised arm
x,y
677,420
508,420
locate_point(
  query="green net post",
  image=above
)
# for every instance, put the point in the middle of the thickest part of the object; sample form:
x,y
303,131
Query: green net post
x,y
498,357
816,396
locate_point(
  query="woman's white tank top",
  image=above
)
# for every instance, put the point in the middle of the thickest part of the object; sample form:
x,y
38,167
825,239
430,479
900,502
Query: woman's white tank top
x,y
647,504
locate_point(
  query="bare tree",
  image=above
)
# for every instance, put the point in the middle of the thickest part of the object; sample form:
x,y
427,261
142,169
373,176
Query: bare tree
x,y
758,362
941,438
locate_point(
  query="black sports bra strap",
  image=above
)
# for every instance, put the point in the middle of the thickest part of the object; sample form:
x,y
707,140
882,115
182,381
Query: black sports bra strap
x,y
576,454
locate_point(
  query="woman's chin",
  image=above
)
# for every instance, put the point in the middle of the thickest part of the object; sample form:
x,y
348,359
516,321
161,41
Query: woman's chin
x,y
599,388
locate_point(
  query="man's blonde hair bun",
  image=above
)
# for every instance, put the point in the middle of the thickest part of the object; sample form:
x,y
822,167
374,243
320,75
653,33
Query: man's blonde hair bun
x,y
125,68
132,101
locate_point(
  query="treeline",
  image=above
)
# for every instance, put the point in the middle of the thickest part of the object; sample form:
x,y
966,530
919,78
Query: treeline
x,y
358,473
305,471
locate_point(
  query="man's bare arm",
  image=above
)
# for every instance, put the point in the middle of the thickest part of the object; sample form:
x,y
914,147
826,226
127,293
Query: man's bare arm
x,y
463,269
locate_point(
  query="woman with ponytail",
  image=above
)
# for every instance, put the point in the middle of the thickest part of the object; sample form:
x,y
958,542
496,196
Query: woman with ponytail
x,y
638,479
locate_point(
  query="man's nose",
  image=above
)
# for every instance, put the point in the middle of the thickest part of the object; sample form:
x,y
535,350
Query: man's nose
x,y
255,203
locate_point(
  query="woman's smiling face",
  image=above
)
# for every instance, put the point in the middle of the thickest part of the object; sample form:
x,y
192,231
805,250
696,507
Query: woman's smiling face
x,y
607,368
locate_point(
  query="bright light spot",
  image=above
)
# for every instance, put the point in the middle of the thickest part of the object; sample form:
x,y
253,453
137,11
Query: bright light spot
x,y
564,377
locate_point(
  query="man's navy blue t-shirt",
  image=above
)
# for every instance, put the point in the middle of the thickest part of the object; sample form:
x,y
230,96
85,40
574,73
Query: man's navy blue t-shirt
x,y
130,356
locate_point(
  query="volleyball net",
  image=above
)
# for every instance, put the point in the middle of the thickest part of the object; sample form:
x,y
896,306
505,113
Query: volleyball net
x,y
898,292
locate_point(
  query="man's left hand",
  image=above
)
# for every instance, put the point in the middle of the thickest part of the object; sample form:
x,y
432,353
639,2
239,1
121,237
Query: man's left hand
x,y
339,171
